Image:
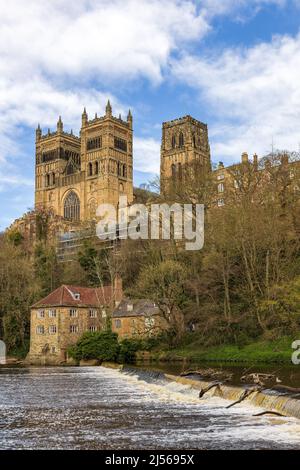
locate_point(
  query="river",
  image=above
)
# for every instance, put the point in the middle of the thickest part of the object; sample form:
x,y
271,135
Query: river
x,y
99,408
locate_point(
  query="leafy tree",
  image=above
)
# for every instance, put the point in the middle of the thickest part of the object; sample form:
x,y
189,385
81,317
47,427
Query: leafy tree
x,y
102,345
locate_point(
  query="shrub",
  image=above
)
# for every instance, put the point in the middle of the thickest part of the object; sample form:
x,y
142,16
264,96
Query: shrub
x,y
128,349
103,346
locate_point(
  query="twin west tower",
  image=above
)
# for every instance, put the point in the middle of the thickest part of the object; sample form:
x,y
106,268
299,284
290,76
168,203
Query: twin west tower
x,y
74,175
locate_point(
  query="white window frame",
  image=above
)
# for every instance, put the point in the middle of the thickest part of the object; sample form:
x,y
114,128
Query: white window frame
x,y
52,313
221,188
221,177
74,329
93,328
40,314
221,202
73,313
40,330
52,330
93,313
118,323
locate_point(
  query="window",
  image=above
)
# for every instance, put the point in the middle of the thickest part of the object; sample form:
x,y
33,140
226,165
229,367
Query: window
x,y
118,323
96,168
173,170
149,322
72,207
181,140
221,188
90,169
73,313
53,179
52,313
93,328
41,314
74,328
173,141
220,177
104,313
40,330
52,329
236,184
221,202
120,144
94,143
47,180
129,307
180,171
194,140
93,313
77,296
53,350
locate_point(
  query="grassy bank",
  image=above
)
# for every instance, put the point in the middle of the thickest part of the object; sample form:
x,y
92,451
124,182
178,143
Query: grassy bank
x,y
279,351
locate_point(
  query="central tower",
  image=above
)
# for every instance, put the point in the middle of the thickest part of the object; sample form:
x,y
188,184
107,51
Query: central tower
x,y
184,141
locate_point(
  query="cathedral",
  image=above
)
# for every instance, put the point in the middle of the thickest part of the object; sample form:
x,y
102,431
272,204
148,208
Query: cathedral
x,y
73,175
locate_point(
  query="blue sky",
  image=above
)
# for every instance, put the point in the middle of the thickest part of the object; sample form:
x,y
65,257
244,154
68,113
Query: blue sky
x,y
234,64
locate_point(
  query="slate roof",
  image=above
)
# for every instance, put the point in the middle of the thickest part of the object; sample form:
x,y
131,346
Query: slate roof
x,y
141,307
65,296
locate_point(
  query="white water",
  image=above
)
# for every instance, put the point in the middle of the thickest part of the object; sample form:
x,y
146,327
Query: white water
x,y
98,408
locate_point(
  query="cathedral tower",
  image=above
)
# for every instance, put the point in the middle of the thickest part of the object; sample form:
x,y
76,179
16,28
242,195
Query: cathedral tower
x,y
76,174
184,140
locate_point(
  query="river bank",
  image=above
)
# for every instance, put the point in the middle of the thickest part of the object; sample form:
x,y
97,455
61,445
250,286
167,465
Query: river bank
x,y
268,352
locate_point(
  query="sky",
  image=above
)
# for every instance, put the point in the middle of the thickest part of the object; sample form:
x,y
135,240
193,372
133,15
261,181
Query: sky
x,y
233,64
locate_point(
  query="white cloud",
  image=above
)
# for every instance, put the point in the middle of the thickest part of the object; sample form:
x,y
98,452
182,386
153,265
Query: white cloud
x,y
253,93
51,51
147,155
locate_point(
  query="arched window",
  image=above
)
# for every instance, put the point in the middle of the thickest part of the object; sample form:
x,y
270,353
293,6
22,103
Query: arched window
x,y
72,207
48,180
194,140
124,171
90,169
173,141
96,168
181,140
173,170
179,171
53,179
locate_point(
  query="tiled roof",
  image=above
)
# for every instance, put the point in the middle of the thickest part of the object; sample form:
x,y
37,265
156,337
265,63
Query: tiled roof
x,y
142,307
65,296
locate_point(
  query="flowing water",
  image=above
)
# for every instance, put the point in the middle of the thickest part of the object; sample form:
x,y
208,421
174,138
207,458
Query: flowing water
x,y
98,408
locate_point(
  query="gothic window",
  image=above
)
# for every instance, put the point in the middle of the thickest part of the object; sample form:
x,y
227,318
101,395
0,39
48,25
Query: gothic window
x,y
173,141
181,140
96,168
94,143
72,207
124,171
194,140
47,180
53,179
90,169
173,170
120,144
179,171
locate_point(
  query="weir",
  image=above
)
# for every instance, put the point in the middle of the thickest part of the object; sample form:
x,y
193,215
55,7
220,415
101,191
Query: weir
x,y
267,399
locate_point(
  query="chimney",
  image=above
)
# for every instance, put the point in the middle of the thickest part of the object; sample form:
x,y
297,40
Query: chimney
x,y
118,289
284,159
245,157
255,161
220,165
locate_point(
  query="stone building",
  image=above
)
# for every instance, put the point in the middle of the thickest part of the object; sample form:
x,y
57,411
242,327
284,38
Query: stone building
x,y
184,140
73,175
137,318
61,318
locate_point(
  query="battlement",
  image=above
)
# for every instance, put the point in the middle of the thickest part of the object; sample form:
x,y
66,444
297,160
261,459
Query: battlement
x,y
183,120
